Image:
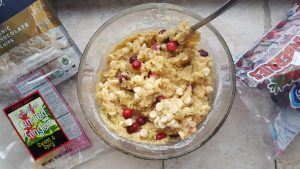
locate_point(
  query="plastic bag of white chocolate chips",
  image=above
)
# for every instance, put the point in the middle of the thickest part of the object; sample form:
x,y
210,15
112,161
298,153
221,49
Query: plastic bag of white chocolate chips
x,y
41,122
269,75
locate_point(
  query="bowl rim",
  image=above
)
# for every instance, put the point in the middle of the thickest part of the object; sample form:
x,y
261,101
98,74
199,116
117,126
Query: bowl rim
x,y
167,6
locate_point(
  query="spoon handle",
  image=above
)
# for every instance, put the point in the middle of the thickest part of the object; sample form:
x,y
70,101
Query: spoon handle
x,y
221,10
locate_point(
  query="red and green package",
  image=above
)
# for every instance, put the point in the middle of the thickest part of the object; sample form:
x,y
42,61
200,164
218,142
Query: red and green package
x,y
269,75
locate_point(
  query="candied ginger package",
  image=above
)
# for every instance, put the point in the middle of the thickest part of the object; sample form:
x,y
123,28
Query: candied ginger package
x,y
41,123
269,83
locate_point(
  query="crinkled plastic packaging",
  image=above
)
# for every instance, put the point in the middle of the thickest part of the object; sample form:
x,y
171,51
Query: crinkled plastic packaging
x,y
41,123
269,75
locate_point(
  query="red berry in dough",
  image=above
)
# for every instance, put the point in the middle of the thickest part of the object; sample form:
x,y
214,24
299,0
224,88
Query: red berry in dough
x,y
159,98
136,65
141,120
160,136
132,59
171,46
203,53
127,113
133,128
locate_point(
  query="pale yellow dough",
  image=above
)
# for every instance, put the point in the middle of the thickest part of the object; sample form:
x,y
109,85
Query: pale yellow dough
x,y
186,81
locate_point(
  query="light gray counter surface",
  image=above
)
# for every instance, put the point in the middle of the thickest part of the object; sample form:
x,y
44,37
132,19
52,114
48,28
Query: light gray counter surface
x,y
236,145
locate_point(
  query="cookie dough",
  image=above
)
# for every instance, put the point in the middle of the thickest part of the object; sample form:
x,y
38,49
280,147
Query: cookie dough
x,y
156,86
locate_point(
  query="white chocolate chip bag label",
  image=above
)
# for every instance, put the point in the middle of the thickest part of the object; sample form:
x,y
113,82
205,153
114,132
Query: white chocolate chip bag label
x,y
270,71
32,37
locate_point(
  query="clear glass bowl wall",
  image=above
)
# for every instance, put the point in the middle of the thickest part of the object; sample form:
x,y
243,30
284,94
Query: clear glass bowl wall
x,y
155,17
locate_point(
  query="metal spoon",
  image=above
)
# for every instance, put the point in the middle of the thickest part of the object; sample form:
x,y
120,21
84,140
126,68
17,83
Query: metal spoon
x,y
227,5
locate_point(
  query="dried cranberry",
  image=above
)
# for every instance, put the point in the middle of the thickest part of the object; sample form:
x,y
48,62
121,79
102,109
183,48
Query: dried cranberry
x,y
172,46
133,128
123,78
132,59
174,135
167,40
203,53
159,98
162,31
136,65
141,120
160,136
154,75
127,113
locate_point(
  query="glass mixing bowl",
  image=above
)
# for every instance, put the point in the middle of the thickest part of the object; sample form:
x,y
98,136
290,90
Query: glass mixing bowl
x,y
155,16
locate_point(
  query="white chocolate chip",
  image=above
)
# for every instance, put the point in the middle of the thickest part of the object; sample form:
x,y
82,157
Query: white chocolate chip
x,y
181,134
170,116
137,79
206,71
156,122
180,115
141,39
128,122
120,93
144,46
115,81
113,113
129,44
161,125
179,91
157,82
148,86
168,103
113,64
156,125
164,119
163,46
174,124
179,103
143,133
174,109
125,50
151,80
156,119
159,106
112,97
153,114
187,100
136,96
137,89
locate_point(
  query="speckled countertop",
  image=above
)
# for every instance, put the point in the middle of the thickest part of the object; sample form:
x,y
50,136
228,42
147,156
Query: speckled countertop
x,y
236,145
